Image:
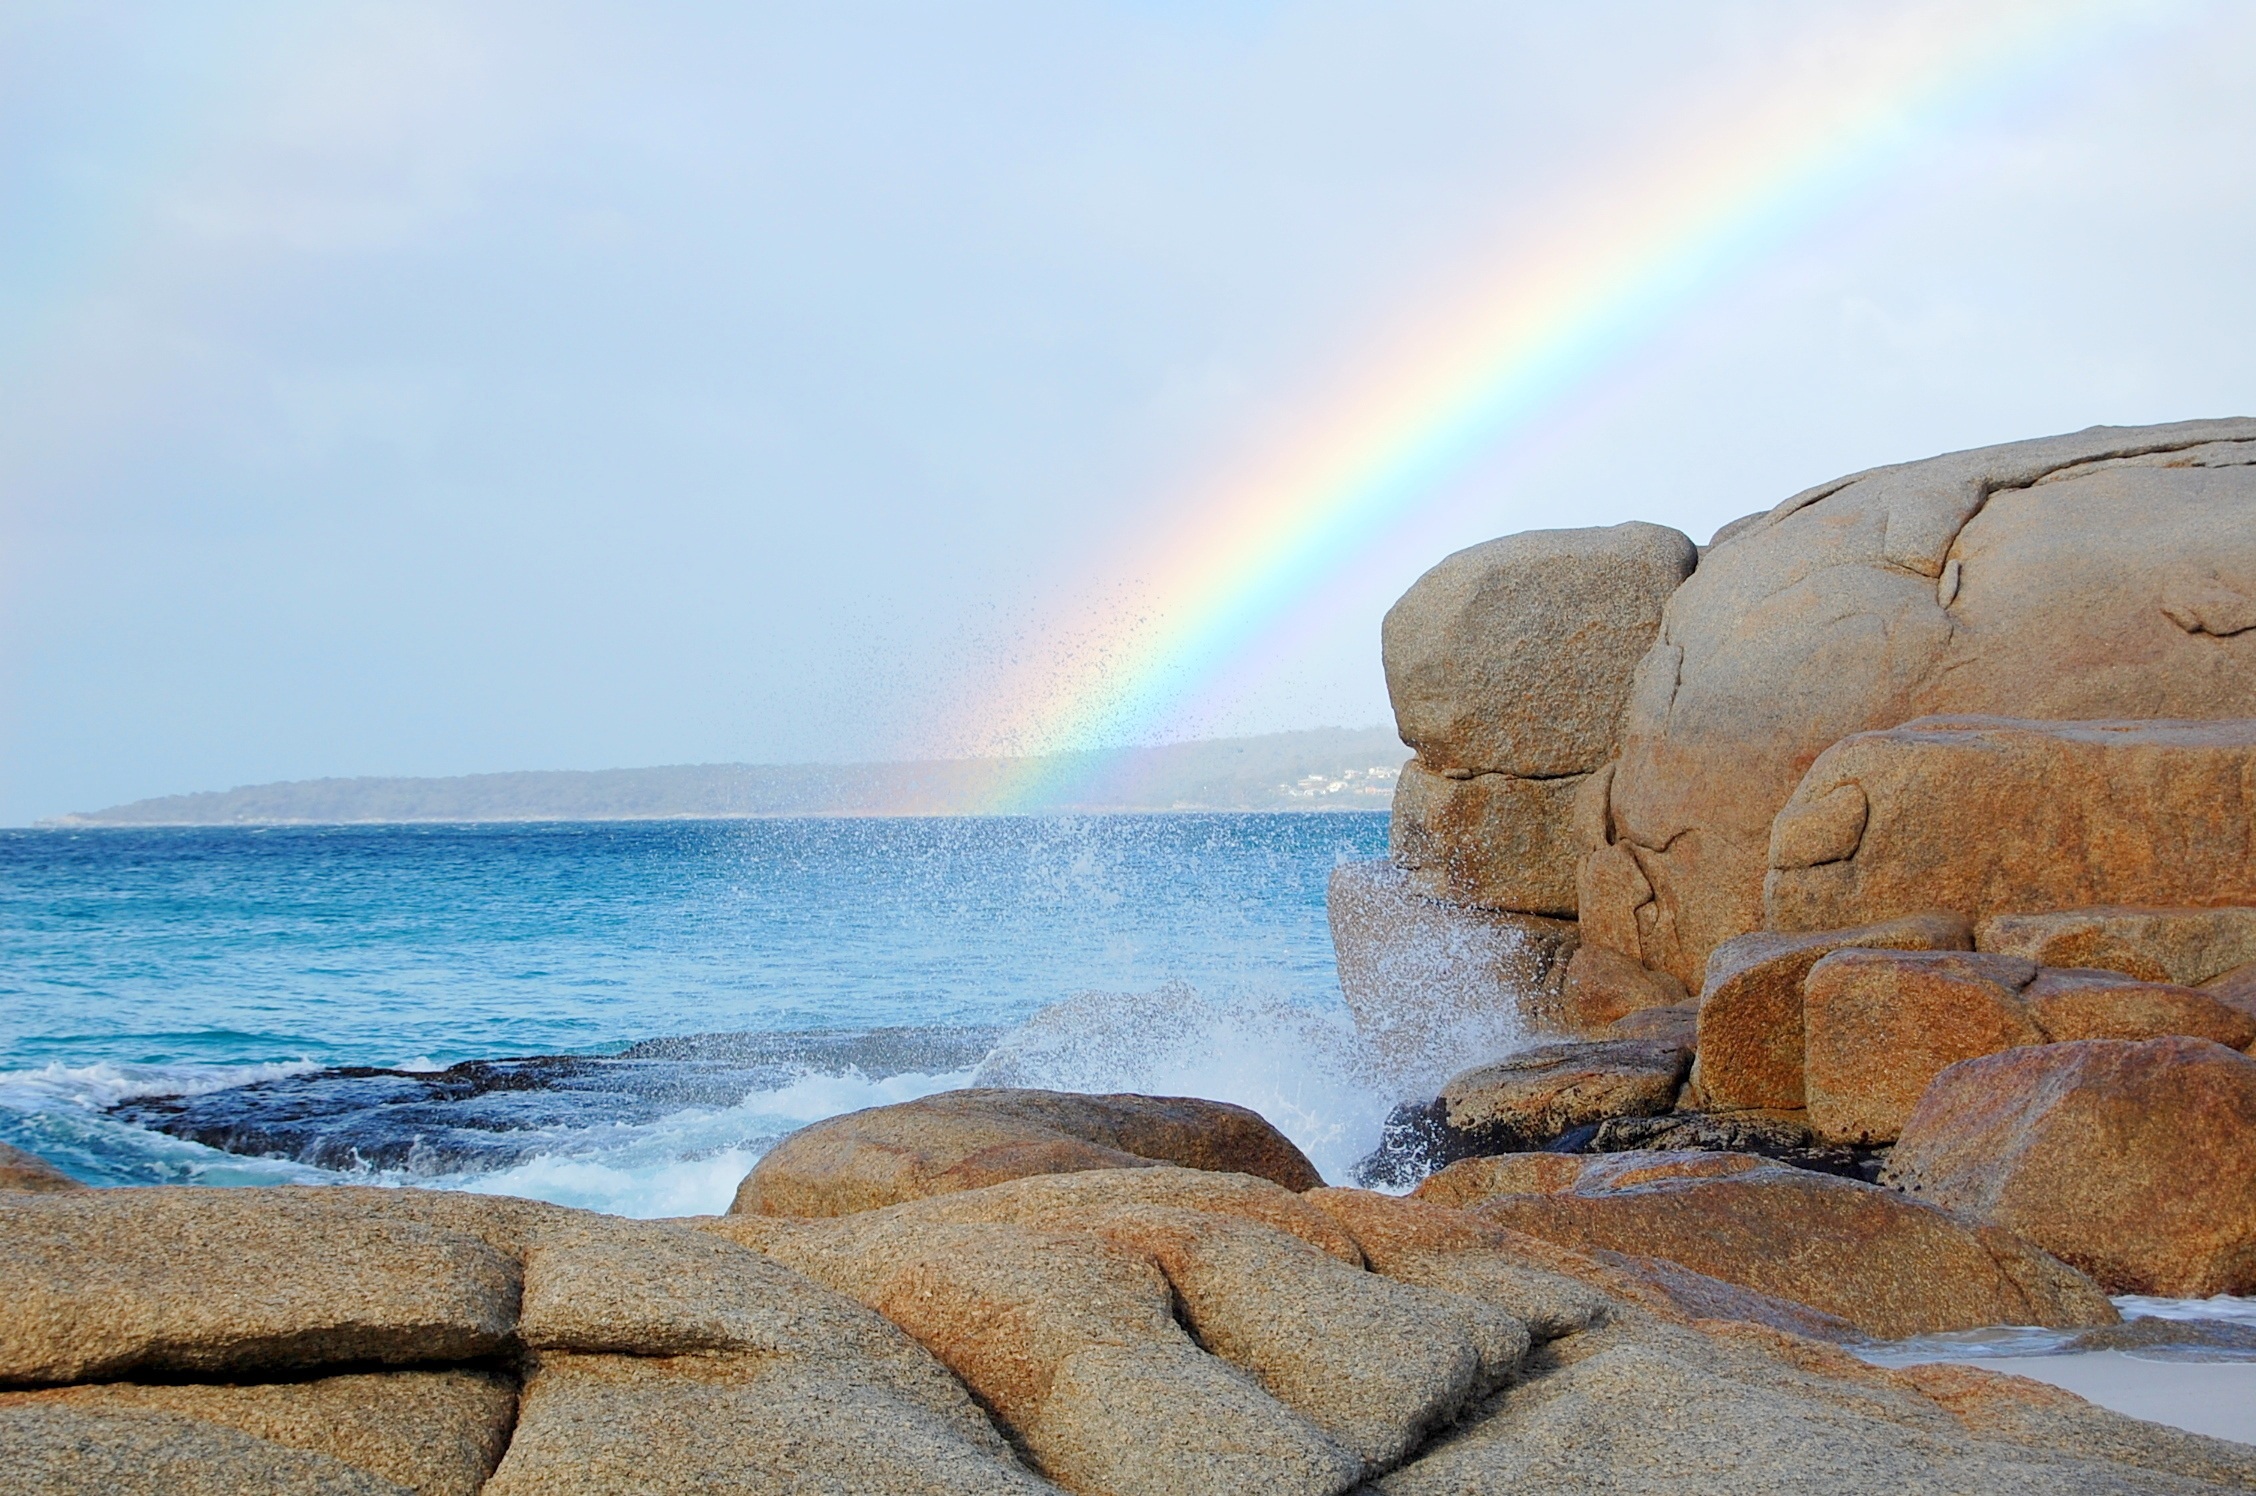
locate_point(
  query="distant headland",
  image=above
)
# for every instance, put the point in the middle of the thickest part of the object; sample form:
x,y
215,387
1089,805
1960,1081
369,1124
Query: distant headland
x,y
1324,768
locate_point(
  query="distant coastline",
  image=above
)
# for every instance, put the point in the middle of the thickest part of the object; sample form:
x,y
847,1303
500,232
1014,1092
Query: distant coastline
x,y
1316,769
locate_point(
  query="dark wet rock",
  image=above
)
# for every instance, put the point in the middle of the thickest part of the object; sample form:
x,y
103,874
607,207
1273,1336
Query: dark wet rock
x,y
492,1114
1785,1139
1549,1096
2173,1339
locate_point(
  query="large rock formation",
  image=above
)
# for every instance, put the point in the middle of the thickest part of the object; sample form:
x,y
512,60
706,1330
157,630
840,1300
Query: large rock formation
x,y
1750,1033
1508,664
1146,1331
1867,1255
2185,946
2109,574
1994,816
961,1140
2134,1161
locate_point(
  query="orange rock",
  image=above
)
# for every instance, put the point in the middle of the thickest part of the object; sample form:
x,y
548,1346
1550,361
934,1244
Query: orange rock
x,y
1491,840
2235,989
1679,1025
2071,1005
2186,946
1750,1030
1888,1265
1603,987
1879,1025
1533,1096
964,1140
1992,815
2134,1161
1469,1181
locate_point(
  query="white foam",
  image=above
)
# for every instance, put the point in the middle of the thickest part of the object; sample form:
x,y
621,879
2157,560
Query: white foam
x,y
1304,1069
102,1085
688,1162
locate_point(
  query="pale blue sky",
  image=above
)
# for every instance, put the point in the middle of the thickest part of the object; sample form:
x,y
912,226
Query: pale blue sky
x,y
435,388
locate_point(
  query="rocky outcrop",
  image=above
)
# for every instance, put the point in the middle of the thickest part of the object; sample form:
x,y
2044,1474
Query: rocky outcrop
x,y
960,1140
1493,841
110,1283
1508,664
1531,1097
1879,1025
1602,987
2007,579
1147,1331
28,1171
2134,1161
1888,1265
2071,1005
439,1433
1750,1033
2185,946
1991,815
1429,981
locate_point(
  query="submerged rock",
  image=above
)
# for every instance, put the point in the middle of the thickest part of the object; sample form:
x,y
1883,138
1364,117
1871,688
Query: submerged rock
x,y
485,1115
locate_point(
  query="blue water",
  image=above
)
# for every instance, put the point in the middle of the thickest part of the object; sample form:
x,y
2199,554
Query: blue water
x,y
168,962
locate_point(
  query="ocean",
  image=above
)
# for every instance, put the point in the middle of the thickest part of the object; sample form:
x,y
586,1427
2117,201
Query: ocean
x,y
624,1015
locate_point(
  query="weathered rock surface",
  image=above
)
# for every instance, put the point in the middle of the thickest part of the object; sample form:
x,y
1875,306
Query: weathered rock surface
x,y
1531,1097
1678,1025
1138,1330
1879,1025
2004,580
959,1140
1603,987
2184,946
28,1171
734,1423
1071,1341
1514,656
439,1433
112,1282
1491,840
2134,1161
1888,1265
2071,1005
1750,1032
1429,981
55,1449
1647,1406
1993,815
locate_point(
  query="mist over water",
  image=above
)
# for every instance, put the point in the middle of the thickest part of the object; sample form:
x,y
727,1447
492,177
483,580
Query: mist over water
x,y
166,986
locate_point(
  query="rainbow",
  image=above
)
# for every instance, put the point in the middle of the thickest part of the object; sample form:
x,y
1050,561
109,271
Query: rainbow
x,y
1614,268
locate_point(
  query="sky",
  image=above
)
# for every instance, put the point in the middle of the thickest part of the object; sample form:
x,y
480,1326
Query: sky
x,y
427,388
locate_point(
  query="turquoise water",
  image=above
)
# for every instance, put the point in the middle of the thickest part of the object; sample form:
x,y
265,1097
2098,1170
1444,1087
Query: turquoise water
x,y
168,963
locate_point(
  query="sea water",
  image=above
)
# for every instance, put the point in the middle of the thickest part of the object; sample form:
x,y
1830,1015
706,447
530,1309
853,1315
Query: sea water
x,y
298,994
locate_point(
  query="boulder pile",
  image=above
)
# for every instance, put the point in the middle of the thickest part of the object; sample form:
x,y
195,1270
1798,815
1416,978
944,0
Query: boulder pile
x,y
1140,1330
1936,784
